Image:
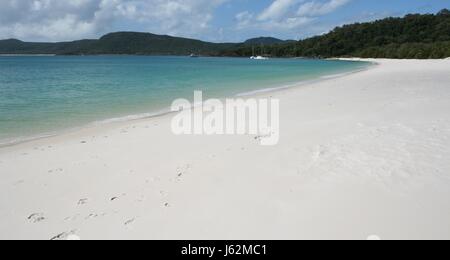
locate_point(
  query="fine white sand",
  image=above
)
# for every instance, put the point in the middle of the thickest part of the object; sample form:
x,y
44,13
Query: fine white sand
x,y
365,155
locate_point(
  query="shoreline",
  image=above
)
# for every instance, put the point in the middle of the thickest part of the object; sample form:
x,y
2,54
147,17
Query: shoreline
x,y
359,156
259,92
166,111
28,55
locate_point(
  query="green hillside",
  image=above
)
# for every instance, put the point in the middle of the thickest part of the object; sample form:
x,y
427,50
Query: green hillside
x,y
413,36
263,40
118,43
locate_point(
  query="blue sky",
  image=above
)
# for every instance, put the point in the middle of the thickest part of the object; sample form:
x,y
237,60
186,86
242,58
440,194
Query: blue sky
x,y
352,11
211,20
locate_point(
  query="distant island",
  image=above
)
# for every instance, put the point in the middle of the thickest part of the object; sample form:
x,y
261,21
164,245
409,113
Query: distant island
x,y
419,36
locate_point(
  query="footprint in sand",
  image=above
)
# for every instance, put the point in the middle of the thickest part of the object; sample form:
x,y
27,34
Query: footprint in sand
x,y
66,236
129,222
181,171
36,217
82,202
59,170
91,216
117,197
258,138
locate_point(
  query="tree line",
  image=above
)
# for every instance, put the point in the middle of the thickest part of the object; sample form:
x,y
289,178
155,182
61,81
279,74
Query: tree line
x,y
415,36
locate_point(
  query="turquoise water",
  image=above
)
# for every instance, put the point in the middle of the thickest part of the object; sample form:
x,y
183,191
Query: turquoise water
x,y
42,95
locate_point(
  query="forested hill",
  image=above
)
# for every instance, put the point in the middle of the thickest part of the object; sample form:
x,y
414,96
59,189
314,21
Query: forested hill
x,y
135,43
263,40
118,43
413,36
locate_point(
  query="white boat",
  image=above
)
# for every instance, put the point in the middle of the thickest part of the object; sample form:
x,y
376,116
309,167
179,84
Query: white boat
x,y
258,58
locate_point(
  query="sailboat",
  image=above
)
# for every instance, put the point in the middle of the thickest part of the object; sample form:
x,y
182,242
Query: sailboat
x,y
259,58
253,57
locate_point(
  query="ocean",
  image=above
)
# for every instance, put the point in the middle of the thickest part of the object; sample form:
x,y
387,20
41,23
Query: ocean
x,y
42,95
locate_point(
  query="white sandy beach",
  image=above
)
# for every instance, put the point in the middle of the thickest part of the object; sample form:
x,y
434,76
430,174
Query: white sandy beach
x,y
361,155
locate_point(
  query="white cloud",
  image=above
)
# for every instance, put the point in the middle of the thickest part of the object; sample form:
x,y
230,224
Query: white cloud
x,y
178,17
244,19
318,8
57,20
277,9
294,17
290,23
49,19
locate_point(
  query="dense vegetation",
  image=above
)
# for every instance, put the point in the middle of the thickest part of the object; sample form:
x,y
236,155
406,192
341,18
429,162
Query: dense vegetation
x,y
118,43
263,40
413,36
18,47
129,43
